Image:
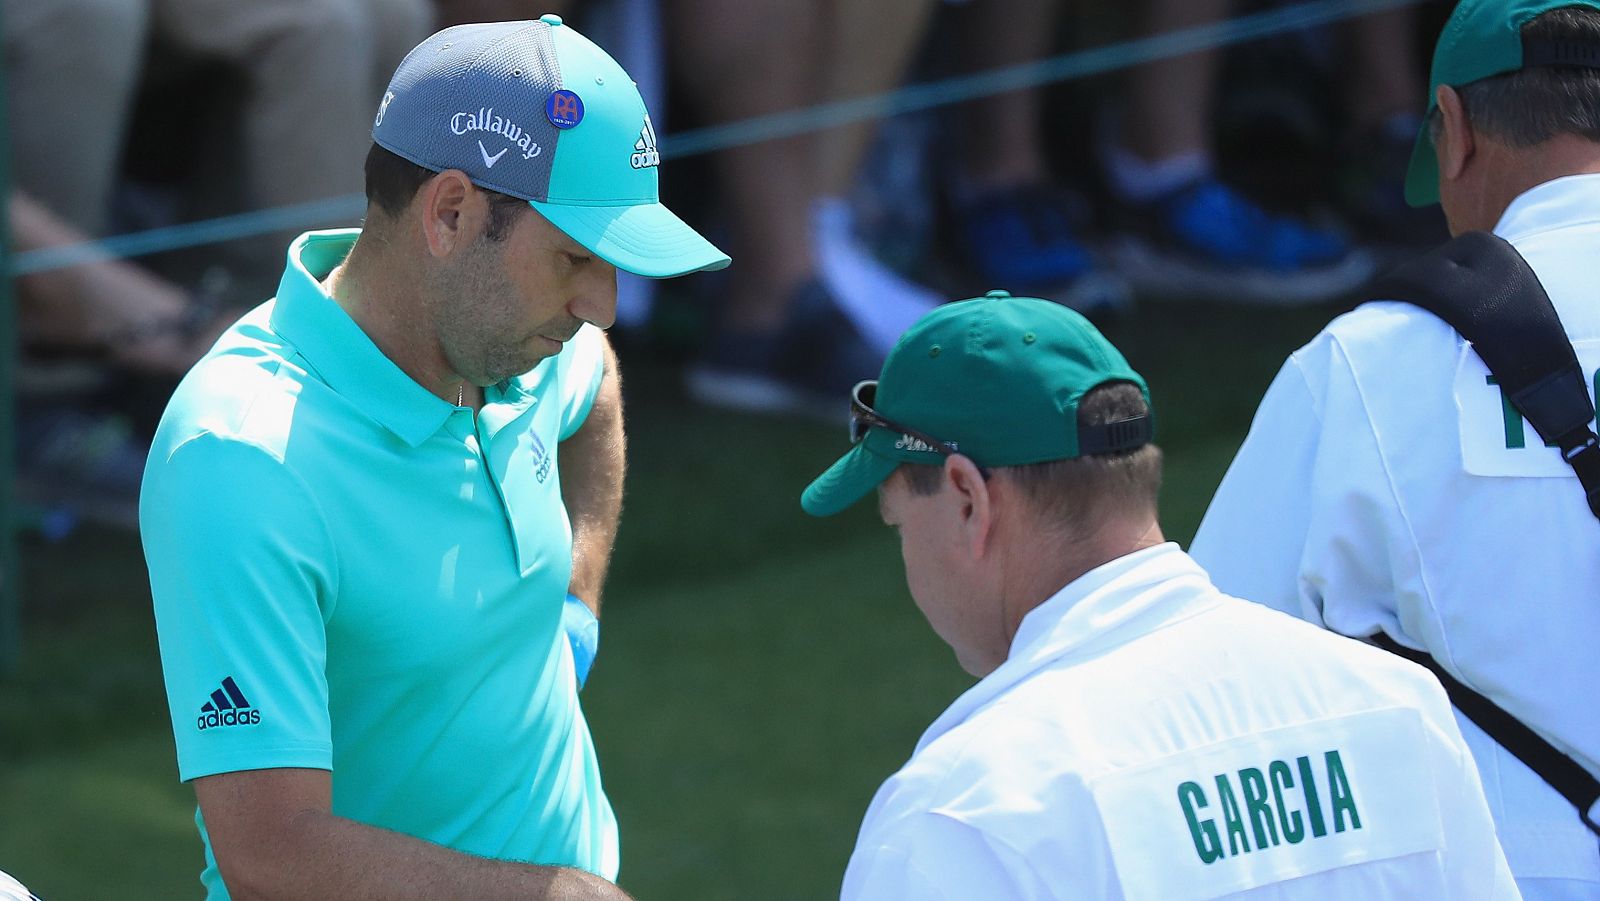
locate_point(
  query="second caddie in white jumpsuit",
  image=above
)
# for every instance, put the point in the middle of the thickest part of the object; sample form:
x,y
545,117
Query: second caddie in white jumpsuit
x,y
1387,486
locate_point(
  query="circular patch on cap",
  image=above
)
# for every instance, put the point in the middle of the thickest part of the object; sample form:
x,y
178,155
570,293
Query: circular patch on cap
x,y
564,109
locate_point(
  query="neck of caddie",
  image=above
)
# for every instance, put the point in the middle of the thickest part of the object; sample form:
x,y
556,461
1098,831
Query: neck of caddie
x,y
1499,173
1039,561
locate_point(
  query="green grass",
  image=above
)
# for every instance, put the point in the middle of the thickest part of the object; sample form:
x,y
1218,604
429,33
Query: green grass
x,y
761,671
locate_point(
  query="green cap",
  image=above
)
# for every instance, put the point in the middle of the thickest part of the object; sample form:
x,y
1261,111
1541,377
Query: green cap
x,y
1481,39
998,376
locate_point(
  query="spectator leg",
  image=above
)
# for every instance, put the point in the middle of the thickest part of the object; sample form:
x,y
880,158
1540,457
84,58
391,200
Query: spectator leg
x,y
743,58
1168,106
71,69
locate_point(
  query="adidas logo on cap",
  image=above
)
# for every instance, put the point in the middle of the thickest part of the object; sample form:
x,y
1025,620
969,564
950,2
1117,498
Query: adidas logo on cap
x,y
227,707
644,149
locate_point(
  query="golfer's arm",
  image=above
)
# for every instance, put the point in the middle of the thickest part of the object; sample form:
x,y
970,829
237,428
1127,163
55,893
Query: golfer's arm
x,y
593,462
274,837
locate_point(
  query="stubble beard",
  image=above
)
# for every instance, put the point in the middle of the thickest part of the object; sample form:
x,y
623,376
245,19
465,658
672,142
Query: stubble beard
x,y
477,301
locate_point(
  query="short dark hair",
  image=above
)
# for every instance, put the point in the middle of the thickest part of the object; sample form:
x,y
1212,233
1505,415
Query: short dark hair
x,y
393,180
1530,106
1076,493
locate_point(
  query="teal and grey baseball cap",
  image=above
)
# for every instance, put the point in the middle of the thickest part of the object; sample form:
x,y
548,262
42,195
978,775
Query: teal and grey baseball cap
x,y
1484,38
536,110
995,378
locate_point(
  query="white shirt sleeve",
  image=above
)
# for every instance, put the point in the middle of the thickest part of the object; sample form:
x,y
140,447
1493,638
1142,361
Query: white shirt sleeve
x,y
1253,535
1306,520
12,890
1475,864
930,856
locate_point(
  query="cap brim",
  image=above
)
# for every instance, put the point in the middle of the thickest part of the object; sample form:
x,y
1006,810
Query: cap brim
x,y
646,239
1422,175
848,480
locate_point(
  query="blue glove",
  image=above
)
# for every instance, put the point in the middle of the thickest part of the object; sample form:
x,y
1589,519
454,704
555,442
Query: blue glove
x,y
583,633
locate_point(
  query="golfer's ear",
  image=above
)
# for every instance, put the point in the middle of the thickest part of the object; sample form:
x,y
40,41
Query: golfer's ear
x,y
446,203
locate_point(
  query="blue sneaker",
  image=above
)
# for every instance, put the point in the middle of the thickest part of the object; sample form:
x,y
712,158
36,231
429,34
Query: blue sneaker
x,y
1028,240
1208,240
807,367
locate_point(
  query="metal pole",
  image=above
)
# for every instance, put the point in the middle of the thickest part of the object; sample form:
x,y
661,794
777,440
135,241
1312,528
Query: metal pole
x,y
10,578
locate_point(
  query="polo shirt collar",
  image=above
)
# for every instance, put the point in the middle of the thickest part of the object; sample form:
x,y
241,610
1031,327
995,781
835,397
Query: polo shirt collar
x,y
1560,202
1107,606
340,353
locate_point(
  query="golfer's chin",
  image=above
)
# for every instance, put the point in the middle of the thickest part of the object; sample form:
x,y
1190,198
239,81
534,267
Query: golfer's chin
x,y
515,361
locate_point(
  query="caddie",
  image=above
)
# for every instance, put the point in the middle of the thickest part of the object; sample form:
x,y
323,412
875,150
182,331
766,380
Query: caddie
x,y
1135,732
1388,487
365,507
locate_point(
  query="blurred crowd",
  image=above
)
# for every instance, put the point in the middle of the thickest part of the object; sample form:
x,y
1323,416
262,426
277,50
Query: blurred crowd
x,y
1269,173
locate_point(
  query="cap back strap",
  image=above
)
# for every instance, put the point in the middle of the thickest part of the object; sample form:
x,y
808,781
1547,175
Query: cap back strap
x,y
1111,437
1540,52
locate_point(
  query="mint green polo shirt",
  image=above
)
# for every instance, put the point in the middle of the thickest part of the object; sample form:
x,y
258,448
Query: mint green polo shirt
x,y
351,574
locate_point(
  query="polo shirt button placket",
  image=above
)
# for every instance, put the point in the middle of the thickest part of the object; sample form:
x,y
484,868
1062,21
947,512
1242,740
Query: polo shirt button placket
x,y
481,445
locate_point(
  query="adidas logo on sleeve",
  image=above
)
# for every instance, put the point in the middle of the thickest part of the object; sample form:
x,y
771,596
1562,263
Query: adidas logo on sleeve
x,y
227,707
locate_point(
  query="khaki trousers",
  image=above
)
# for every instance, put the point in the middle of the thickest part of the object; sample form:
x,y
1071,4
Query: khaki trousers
x,y
314,71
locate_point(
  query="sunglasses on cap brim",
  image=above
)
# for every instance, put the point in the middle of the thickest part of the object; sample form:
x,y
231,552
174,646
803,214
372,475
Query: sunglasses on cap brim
x,y
864,417
1104,438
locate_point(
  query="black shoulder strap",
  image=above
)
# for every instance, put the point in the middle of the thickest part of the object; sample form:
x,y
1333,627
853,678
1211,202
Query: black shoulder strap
x,y
1564,774
1484,289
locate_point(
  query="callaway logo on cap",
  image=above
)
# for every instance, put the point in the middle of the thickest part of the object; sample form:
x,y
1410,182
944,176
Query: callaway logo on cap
x,y
537,111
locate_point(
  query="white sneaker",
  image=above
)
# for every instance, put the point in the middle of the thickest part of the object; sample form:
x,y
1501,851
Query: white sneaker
x,y
881,302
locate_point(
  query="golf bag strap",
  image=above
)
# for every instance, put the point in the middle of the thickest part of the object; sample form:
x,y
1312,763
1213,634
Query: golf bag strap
x,y
1564,774
1482,287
